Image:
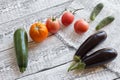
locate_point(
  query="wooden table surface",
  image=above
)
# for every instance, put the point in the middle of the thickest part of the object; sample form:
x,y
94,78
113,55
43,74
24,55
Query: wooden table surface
x,y
50,59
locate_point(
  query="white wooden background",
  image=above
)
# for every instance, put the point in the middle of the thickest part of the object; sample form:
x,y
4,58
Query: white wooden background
x,y
50,59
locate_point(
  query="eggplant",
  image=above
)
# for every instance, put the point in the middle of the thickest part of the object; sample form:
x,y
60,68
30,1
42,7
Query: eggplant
x,y
91,43
98,58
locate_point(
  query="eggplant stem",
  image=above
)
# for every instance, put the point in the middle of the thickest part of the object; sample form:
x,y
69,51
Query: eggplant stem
x,y
69,69
76,58
76,66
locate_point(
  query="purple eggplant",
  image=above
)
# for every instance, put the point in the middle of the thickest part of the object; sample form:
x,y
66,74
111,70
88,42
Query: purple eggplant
x,y
91,43
98,58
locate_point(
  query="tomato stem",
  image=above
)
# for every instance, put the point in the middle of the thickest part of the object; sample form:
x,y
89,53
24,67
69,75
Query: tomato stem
x,y
53,18
37,28
75,10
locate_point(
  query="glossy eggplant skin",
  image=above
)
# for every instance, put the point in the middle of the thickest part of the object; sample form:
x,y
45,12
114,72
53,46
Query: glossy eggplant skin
x,y
91,43
100,57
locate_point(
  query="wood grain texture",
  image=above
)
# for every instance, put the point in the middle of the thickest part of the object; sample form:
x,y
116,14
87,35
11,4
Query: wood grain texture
x,y
13,9
41,56
60,73
50,59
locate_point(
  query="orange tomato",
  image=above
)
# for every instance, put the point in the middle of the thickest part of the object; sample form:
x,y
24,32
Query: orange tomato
x,y
38,32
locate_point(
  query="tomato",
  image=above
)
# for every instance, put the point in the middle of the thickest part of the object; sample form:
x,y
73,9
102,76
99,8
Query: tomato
x,y
67,18
52,25
81,26
38,32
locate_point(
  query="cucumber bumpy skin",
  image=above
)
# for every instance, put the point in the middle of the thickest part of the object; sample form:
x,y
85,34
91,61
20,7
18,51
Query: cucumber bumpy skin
x,y
96,11
105,22
21,48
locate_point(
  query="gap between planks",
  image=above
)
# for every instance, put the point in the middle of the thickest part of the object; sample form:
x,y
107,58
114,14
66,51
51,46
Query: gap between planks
x,y
44,69
38,11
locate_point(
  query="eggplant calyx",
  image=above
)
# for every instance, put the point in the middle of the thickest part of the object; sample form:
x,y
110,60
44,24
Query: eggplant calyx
x,y
76,66
76,58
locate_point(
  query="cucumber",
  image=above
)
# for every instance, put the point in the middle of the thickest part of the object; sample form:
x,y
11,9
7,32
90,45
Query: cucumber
x,y
96,11
21,48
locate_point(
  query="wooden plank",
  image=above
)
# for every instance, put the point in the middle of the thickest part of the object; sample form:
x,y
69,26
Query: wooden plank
x,y
13,9
41,56
60,73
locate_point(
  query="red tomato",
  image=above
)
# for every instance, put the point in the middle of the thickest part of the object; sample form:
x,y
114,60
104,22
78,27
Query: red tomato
x,y
53,25
81,26
67,18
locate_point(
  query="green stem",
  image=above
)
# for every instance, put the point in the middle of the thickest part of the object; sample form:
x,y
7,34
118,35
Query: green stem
x,y
76,58
53,18
77,10
77,64
72,65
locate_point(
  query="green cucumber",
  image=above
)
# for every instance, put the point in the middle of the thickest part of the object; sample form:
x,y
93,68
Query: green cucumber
x,y
21,48
105,22
96,11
